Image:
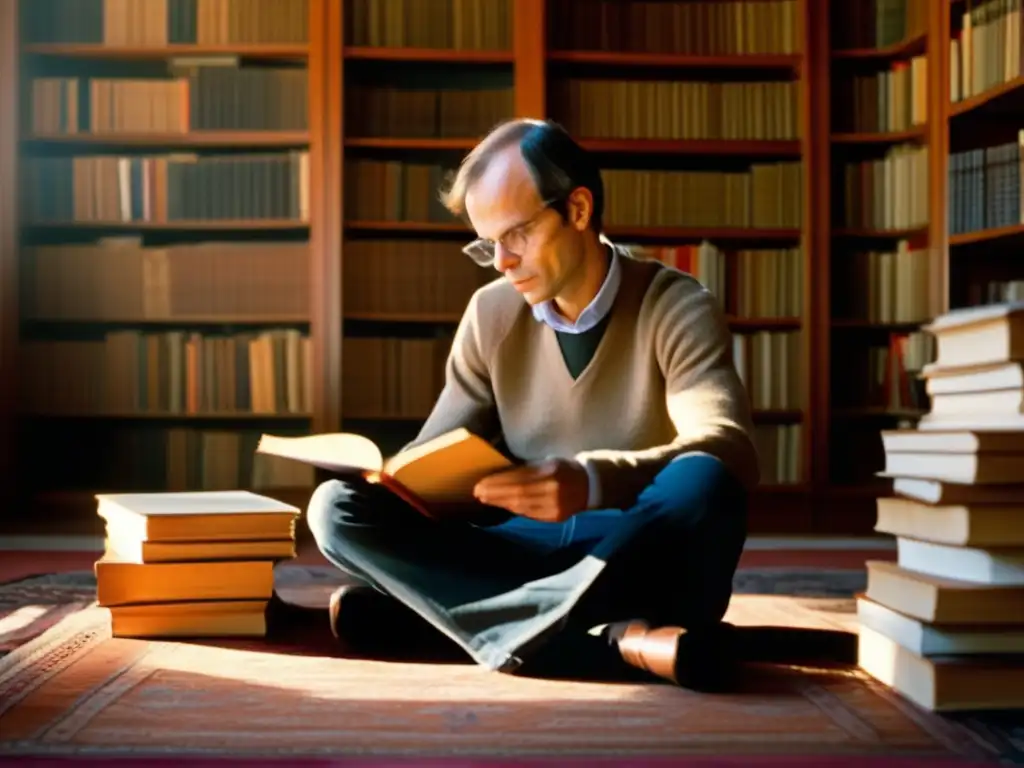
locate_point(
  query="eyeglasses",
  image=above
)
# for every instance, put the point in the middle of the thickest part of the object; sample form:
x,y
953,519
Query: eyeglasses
x,y
516,241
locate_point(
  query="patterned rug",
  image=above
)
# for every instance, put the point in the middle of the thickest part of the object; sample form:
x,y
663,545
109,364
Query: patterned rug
x,y
75,691
30,606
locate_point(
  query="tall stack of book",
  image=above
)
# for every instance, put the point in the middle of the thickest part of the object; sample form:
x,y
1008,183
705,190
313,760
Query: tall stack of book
x,y
944,624
191,564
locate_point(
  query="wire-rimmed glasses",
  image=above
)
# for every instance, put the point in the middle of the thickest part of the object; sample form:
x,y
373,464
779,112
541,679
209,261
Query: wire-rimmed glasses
x,y
515,241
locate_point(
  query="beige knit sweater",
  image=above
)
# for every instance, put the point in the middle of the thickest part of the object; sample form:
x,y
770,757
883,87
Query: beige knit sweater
x,y
661,383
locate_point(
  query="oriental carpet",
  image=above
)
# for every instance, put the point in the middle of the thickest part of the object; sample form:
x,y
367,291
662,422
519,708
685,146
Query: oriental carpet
x,y
76,691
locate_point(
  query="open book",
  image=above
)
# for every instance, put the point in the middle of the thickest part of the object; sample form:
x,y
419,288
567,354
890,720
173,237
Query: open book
x,y
437,477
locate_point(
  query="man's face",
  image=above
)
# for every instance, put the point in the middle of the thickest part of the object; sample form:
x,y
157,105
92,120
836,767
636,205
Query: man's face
x,y
534,248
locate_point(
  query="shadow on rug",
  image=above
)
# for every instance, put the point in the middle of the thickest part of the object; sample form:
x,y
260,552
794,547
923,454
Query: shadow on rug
x,y
30,606
74,690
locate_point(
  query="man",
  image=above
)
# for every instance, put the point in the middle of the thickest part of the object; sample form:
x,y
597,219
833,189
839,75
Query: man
x,y
610,379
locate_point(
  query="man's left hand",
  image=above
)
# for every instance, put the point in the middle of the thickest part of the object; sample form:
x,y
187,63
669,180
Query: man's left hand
x,y
551,491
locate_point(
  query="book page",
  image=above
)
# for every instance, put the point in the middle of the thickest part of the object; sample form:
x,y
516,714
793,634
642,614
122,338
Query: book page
x,y
193,503
337,452
446,469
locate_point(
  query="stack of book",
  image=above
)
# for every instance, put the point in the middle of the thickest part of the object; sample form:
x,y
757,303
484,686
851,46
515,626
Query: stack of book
x,y
191,564
944,624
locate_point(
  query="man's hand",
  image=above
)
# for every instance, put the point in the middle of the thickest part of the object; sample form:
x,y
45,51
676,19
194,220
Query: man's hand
x,y
550,491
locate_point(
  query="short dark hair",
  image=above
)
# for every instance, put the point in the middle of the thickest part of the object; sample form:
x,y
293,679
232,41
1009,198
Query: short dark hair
x,y
556,161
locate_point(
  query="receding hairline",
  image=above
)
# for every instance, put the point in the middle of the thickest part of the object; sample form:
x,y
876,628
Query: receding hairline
x,y
475,164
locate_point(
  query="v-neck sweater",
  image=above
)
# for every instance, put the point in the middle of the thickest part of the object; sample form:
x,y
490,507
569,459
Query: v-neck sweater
x,y
661,383
578,348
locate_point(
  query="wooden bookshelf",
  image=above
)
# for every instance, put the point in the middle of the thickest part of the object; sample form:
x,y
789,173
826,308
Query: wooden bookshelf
x,y
532,54
982,129
879,274
157,275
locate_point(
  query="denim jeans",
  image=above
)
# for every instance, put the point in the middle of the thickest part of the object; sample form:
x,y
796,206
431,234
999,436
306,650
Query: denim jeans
x,y
501,592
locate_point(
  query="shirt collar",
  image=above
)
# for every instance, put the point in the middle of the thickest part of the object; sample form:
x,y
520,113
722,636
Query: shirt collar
x,y
595,311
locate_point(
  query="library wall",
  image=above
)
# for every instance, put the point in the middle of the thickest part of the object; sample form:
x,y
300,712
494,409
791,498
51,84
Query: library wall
x,y
228,221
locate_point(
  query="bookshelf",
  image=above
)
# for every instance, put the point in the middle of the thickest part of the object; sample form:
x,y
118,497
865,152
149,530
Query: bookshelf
x,y
880,272
984,122
160,252
696,105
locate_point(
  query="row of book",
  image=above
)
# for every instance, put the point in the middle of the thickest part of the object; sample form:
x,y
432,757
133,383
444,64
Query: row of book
x,y
208,97
128,281
877,23
780,452
676,26
173,372
121,279
986,51
167,188
387,277
894,99
944,623
269,372
395,378
600,108
749,283
892,286
984,187
160,22
890,192
454,24
770,365
456,110
768,195
883,376
405,278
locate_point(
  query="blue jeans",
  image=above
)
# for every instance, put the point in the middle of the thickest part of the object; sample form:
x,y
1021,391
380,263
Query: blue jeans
x,y
502,592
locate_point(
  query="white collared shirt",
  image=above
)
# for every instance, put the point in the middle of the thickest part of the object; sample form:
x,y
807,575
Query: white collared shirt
x,y
593,313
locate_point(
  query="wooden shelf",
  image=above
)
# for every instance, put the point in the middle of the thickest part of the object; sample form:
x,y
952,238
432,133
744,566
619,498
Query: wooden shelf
x,y
881,234
382,142
872,325
190,139
1009,94
918,133
866,491
95,51
986,235
783,488
387,417
451,55
172,322
725,147
174,417
424,227
764,323
404,317
777,415
677,60
877,412
183,226
913,46
696,234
